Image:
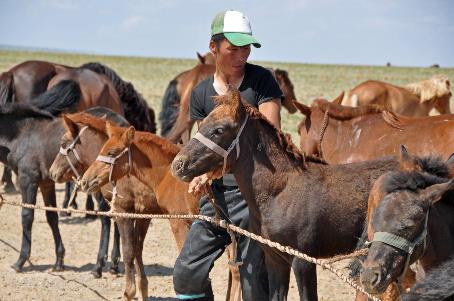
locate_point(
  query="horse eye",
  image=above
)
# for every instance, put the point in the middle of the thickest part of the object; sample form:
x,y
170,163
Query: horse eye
x,y
111,153
219,131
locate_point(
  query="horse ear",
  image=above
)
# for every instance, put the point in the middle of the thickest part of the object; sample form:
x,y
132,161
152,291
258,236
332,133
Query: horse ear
x,y
109,128
338,99
305,110
201,58
70,125
450,160
435,192
129,134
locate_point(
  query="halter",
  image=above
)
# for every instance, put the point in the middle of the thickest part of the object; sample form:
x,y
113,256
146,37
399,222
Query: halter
x,y
72,148
218,149
111,161
403,244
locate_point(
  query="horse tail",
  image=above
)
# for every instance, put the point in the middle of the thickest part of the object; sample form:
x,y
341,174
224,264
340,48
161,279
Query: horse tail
x,y
437,285
6,87
64,96
169,108
134,105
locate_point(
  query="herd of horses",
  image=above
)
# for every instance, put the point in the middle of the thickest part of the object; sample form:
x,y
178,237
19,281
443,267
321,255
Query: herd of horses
x,y
351,183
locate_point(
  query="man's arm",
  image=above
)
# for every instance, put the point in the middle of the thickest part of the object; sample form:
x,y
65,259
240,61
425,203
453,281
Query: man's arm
x,y
272,111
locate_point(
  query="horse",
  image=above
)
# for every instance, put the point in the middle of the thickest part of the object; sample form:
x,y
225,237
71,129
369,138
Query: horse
x,y
150,158
292,200
99,84
31,138
84,136
416,99
409,221
340,134
176,124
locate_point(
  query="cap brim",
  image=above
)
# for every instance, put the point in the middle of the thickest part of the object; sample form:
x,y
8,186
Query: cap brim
x,y
241,39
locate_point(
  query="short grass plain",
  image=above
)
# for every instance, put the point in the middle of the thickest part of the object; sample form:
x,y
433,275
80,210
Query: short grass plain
x,y
150,76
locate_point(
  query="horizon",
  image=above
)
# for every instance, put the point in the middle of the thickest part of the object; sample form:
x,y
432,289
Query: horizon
x,y
329,32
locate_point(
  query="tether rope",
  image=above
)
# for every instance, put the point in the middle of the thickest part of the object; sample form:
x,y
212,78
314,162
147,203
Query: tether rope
x,y
324,263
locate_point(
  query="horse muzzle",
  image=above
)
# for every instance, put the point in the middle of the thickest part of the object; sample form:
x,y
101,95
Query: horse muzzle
x,y
180,168
372,279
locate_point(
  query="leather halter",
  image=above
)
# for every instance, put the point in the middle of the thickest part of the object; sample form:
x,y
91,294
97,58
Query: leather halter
x,y
218,149
72,148
403,244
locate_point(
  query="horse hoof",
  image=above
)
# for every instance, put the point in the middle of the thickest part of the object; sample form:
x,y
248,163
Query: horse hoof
x,y
90,216
65,214
17,268
96,273
58,268
9,188
114,270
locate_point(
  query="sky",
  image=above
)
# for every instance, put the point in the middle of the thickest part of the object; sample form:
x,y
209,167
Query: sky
x,y
360,32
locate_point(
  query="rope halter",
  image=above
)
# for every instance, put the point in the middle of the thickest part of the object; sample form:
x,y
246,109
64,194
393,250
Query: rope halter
x,y
72,148
218,149
111,161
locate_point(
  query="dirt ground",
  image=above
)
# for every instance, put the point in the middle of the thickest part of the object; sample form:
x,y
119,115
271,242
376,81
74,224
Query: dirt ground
x,y
81,238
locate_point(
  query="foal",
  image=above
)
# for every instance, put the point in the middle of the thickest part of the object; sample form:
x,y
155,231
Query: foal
x,y
88,134
315,208
410,218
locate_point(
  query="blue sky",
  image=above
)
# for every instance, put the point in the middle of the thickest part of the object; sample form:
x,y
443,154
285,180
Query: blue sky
x,y
366,32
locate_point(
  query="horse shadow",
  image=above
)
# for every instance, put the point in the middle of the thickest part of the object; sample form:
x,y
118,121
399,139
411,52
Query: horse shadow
x,y
73,220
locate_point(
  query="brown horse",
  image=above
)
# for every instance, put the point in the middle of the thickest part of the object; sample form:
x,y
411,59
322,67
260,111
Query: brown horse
x,y
292,201
416,99
409,221
104,87
84,136
343,134
151,157
176,124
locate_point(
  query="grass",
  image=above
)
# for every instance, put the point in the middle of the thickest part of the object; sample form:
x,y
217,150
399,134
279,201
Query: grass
x,y
150,76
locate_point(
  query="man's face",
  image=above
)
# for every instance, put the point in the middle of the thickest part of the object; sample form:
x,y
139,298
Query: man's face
x,y
230,59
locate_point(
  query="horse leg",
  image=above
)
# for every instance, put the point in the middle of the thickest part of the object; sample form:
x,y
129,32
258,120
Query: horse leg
x,y
180,230
28,189
140,231
306,279
48,192
115,256
278,275
90,206
7,180
69,186
126,228
105,236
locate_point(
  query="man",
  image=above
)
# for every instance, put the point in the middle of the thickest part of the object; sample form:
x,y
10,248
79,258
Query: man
x,y
230,44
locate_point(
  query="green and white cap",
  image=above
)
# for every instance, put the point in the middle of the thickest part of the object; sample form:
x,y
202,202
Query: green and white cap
x,y
235,26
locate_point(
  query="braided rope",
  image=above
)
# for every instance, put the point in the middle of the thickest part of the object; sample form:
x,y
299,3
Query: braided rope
x,y
324,263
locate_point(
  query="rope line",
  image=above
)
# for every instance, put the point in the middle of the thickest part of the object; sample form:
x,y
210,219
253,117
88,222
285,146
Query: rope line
x,y
324,263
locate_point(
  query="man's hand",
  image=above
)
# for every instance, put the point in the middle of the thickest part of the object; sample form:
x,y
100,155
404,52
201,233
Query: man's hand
x,y
199,184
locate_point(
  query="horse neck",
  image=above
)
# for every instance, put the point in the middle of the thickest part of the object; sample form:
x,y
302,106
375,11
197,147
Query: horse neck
x,y
151,164
263,166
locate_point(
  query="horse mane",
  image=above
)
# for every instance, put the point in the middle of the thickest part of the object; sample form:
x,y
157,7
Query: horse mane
x,y
434,171
24,110
341,112
435,87
284,75
92,118
64,96
136,109
284,139
6,87
166,146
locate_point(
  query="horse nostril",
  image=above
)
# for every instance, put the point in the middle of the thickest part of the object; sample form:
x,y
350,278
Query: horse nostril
x,y
371,277
178,165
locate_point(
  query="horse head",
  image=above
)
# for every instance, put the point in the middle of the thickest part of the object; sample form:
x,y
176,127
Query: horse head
x,y
287,89
209,151
113,161
398,223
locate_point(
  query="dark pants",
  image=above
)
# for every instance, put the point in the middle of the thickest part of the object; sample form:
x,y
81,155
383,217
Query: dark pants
x,y
206,243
